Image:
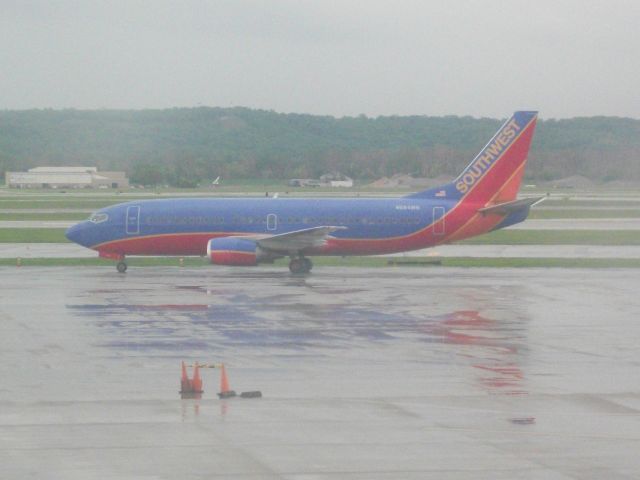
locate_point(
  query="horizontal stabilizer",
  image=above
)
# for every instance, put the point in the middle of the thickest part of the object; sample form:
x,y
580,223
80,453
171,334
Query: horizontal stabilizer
x,y
510,207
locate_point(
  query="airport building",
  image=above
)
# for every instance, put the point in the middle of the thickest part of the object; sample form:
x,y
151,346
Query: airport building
x,y
334,179
66,177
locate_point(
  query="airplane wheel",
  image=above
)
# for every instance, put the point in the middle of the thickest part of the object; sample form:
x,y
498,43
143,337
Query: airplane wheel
x,y
308,264
122,267
297,266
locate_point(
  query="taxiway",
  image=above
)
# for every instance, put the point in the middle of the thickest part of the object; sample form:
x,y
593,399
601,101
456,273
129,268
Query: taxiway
x,y
366,373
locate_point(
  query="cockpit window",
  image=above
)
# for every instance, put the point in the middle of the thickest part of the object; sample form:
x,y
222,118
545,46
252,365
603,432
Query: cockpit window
x,y
98,217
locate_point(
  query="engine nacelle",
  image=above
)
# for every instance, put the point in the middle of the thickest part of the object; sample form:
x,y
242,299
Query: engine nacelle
x,y
233,251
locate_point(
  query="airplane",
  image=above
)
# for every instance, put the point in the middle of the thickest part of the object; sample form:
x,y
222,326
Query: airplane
x,y
250,231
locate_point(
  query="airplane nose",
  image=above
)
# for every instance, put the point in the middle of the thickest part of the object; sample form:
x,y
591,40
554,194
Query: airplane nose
x,y
73,233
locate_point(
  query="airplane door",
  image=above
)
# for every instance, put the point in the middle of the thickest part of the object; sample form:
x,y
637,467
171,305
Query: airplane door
x,y
133,220
272,221
438,220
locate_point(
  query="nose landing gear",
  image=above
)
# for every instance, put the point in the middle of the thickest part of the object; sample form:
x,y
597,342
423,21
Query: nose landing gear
x,y
300,265
121,266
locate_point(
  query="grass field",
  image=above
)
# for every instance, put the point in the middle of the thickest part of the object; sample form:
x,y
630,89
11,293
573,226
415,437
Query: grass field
x,y
541,214
44,216
32,235
557,237
96,261
599,202
572,205
59,204
373,262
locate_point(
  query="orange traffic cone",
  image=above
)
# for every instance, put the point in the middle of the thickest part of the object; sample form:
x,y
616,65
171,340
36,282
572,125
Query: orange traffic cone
x,y
189,387
225,391
196,383
185,383
224,381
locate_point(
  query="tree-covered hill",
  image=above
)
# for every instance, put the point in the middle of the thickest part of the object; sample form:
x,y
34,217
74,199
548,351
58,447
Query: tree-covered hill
x,y
182,146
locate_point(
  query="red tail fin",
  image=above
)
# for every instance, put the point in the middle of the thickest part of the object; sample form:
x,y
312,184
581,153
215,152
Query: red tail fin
x,y
496,172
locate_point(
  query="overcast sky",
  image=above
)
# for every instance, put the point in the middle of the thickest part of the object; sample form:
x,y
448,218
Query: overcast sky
x,y
564,58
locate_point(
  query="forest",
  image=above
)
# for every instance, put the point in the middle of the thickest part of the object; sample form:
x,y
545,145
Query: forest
x,y
185,146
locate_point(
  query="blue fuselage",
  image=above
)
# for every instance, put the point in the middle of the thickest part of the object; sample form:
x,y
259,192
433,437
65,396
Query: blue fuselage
x,y
120,228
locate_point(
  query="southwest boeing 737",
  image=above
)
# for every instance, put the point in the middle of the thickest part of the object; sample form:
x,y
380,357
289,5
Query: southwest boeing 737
x,y
250,231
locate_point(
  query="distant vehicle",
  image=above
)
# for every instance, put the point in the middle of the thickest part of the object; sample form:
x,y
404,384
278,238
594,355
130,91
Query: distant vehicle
x,y
249,231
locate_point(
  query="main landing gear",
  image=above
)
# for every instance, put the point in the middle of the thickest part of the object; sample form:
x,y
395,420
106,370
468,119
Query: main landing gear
x,y
300,265
121,266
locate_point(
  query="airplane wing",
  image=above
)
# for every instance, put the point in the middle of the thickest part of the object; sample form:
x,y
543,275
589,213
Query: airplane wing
x,y
510,207
297,240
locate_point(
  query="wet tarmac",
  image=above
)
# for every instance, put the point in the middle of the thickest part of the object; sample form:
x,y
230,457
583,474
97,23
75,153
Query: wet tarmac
x,y
366,373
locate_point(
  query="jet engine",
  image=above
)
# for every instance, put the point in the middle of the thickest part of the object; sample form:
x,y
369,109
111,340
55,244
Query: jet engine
x,y
234,251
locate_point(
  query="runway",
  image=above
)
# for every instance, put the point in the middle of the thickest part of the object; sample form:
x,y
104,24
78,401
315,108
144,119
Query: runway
x,y
366,373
